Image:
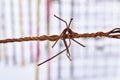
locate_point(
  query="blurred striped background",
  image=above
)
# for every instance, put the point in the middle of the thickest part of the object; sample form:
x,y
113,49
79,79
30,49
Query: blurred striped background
x,y
99,60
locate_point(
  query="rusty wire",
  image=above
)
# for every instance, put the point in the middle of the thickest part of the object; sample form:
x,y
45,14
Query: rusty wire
x,y
67,33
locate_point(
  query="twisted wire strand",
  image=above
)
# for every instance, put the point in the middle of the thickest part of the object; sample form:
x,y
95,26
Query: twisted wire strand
x,y
55,37
67,33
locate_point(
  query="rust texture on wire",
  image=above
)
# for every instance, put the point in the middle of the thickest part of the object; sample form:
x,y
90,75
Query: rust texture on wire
x,y
110,34
67,33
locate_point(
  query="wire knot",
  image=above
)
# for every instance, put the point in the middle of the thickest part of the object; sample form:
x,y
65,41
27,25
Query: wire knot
x,y
67,33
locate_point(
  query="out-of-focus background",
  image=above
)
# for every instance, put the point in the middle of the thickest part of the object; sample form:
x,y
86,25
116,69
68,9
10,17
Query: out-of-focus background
x,y
99,60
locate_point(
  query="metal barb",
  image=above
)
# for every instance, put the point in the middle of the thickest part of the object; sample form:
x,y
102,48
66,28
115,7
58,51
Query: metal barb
x,y
66,31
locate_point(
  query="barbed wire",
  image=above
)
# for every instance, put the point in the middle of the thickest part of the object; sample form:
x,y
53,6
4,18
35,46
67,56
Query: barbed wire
x,y
67,33
55,37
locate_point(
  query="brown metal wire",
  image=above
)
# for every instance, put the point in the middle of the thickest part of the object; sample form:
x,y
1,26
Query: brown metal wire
x,y
110,34
67,33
